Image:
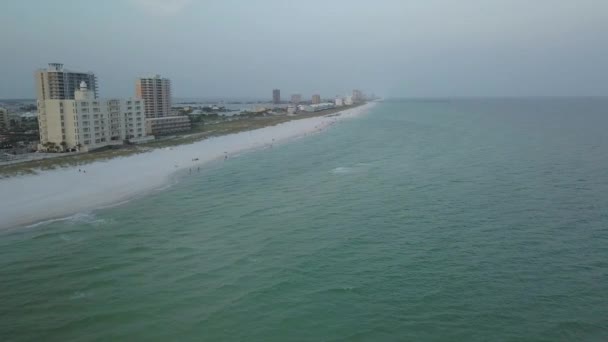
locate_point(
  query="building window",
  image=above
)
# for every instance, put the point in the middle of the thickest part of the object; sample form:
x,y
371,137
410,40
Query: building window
x,y
86,142
84,104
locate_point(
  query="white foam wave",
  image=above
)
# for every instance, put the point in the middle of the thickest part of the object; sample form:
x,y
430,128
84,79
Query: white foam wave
x,y
78,218
341,170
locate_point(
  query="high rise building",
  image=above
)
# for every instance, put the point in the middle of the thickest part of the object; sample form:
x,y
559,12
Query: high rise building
x,y
296,98
156,93
316,99
5,121
85,122
57,83
276,96
348,100
357,96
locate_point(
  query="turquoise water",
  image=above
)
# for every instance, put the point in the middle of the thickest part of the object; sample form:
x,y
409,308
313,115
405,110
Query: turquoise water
x,y
423,220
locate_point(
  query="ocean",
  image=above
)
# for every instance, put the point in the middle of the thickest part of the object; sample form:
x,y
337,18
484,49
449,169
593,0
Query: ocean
x,y
423,220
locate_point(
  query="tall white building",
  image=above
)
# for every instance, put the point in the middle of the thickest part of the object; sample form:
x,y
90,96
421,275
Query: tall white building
x,y
86,123
156,92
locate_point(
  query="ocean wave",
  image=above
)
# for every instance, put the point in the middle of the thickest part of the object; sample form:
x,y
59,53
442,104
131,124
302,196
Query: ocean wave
x,y
79,218
78,295
342,170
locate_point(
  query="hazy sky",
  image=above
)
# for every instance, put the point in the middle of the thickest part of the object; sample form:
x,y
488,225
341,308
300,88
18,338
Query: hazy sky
x,y
244,48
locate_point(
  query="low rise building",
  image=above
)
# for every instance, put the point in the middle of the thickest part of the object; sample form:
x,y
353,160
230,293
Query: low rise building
x,y
348,101
318,107
316,99
339,102
167,125
86,123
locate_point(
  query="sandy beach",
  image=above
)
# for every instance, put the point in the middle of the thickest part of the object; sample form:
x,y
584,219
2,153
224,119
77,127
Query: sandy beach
x,y
62,192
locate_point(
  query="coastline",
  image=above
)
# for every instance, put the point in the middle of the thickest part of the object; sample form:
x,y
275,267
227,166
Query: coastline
x,y
55,194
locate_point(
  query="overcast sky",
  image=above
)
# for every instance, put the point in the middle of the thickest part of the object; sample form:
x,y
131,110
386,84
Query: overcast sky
x,y
244,48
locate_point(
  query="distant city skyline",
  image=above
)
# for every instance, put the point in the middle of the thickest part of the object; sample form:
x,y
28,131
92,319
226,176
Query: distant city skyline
x,y
395,48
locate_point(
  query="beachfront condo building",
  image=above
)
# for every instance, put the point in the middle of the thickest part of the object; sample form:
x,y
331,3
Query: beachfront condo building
x,y
5,121
348,100
57,83
296,98
276,96
167,125
85,123
316,99
156,93
357,96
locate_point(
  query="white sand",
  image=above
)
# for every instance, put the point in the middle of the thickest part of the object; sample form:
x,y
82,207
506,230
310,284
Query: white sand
x,y
62,192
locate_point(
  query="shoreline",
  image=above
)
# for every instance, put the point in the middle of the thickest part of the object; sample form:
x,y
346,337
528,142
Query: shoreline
x,y
60,193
